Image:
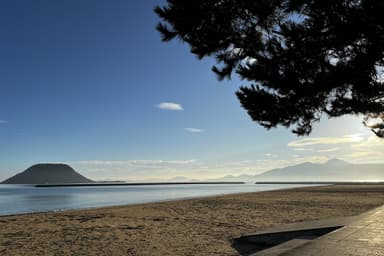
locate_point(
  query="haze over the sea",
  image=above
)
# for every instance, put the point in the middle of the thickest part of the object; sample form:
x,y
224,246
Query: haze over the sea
x,y
90,84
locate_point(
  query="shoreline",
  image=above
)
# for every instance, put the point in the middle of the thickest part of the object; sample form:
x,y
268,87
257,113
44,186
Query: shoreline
x,y
198,226
103,184
294,186
322,182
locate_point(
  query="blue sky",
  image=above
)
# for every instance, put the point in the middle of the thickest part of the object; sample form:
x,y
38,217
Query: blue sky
x,y
90,83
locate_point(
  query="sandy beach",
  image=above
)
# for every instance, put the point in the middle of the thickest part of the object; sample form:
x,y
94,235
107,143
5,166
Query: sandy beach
x,y
204,226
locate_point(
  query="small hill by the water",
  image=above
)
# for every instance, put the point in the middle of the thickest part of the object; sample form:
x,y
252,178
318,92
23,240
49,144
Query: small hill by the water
x,y
47,174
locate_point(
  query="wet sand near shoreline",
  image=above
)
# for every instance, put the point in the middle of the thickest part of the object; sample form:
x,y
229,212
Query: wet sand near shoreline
x,y
203,226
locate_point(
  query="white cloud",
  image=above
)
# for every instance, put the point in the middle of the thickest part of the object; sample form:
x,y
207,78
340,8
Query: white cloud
x,y
164,169
326,150
170,106
194,130
302,149
253,167
372,142
3,122
354,148
364,157
351,138
136,162
370,150
137,169
195,169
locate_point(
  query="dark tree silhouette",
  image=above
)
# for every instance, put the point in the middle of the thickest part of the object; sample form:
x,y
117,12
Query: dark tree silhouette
x,y
303,59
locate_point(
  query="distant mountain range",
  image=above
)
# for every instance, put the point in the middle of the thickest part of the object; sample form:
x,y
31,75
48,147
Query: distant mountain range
x,y
333,170
47,174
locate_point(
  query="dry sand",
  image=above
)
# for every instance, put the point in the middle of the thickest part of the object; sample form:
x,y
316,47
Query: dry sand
x,y
203,226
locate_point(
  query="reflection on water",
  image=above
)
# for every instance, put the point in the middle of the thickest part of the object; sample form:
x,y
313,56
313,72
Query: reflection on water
x,y
35,202
16,199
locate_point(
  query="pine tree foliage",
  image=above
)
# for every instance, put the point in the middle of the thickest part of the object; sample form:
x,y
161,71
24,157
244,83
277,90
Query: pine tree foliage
x,y
302,59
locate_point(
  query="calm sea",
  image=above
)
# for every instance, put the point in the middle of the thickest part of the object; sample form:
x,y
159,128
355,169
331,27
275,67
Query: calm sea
x,y
16,199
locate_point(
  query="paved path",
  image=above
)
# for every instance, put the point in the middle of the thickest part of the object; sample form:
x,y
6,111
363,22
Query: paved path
x,y
364,237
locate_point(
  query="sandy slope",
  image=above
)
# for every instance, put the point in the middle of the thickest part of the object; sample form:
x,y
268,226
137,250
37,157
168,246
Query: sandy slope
x,y
188,227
